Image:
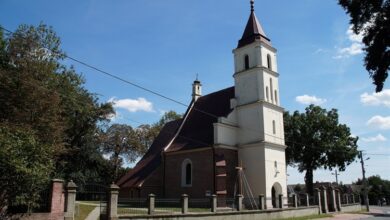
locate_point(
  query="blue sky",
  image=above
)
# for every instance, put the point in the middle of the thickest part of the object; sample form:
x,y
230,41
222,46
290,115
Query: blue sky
x,y
162,45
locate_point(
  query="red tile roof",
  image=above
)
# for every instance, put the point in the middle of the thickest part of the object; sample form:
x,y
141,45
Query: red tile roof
x,y
152,159
196,132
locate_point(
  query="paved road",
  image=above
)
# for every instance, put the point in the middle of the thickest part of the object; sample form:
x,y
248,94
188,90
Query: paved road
x,y
376,213
379,212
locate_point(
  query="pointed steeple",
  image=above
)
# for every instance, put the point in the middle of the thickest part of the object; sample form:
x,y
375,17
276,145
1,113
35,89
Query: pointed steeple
x,y
253,30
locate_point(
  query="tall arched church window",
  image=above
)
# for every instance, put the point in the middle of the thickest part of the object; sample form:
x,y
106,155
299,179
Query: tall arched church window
x,y
266,93
276,97
272,88
273,127
269,63
186,173
246,61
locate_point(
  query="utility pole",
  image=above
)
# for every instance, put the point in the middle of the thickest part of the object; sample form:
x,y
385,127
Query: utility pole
x,y
336,174
365,185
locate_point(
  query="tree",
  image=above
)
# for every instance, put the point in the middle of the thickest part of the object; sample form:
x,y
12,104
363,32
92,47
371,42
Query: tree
x,y
120,142
372,19
45,100
315,139
25,166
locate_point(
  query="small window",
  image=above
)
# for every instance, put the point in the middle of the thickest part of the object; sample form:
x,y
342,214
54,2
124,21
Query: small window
x,y
276,164
272,88
276,97
246,62
273,127
266,93
269,64
186,173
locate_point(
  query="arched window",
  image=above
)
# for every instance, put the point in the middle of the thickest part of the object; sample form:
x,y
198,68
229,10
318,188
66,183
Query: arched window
x,y
276,164
273,127
186,173
276,97
246,60
266,93
269,63
272,88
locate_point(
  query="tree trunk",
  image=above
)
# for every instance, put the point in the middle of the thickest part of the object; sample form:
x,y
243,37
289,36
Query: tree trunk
x,y
309,181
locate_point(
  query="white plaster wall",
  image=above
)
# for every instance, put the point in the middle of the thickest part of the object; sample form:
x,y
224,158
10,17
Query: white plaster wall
x,y
254,53
264,52
247,87
250,124
270,115
225,134
266,83
252,160
273,154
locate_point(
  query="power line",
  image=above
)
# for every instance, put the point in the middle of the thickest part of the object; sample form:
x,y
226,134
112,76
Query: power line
x,y
170,99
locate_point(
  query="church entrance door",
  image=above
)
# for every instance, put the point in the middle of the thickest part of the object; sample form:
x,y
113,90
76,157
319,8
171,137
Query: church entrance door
x,y
273,191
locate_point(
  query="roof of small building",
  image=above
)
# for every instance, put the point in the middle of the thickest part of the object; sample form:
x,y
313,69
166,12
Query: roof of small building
x,y
195,130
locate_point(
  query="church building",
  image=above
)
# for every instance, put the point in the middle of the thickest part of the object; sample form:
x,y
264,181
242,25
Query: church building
x,y
228,142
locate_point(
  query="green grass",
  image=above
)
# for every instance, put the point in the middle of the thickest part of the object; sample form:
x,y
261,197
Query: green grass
x,y
83,211
309,217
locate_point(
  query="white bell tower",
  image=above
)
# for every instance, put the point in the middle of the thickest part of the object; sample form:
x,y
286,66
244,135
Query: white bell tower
x,y
261,146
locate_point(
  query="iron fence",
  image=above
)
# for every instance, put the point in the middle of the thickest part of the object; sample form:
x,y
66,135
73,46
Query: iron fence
x,y
132,206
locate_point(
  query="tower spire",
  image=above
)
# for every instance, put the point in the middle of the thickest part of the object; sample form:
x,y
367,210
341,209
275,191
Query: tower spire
x,y
253,30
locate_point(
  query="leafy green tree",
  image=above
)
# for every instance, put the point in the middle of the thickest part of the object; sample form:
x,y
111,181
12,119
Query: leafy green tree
x,y
120,142
40,95
315,139
25,166
379,189
372,19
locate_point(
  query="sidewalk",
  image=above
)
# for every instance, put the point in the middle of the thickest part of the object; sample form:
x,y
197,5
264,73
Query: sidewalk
x,y
350,216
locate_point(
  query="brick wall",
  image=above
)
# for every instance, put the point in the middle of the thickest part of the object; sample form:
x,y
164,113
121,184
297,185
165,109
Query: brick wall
x,y
202,174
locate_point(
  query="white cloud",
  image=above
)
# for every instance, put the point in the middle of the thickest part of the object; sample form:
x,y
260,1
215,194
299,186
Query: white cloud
x,y
380,122
132,105
376,99
307,99
355,48
378,138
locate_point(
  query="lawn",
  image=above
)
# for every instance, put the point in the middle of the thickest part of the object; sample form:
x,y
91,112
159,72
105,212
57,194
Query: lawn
x,y
82,211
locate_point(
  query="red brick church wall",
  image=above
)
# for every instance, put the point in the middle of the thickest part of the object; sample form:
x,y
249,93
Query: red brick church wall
x,y
202,173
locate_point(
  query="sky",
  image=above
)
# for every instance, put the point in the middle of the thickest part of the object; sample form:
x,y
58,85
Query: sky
x,y
164,45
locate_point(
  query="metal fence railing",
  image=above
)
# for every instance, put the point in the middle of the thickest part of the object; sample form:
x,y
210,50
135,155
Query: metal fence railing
x,y
197,205
132,206
167,206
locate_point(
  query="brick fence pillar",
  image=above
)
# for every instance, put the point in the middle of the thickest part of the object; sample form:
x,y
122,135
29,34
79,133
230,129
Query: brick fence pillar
x,y
239,202
261,202
295,200
184,203
213,201
338,200
324,200
57,200
307,199
353,198
71,200
113,202
319,199
151,200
